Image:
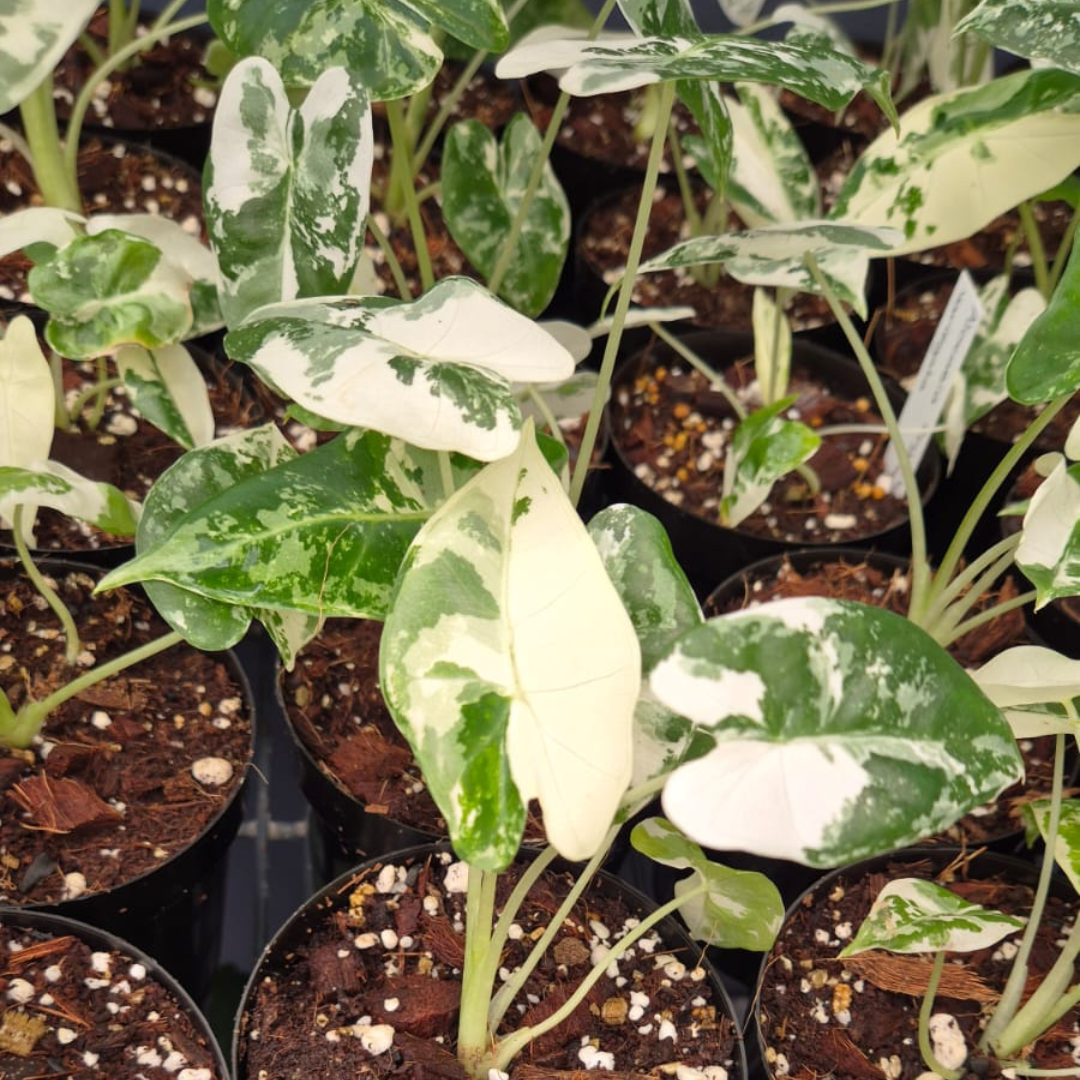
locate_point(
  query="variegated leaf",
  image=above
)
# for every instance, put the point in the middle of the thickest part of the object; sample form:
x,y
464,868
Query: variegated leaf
x,y
27,396
1046,363
435,371
764,447
289,631
810,25
204,621
47,225
1034,687
772,346
1066,847
911,915
772,180
386,45
638,558
169,390
287,191
568,400
483,184
479,23
775,255
108,290
741,12
34,35
1044,31
964,158
511,666
740,909
49,483
1049,551
836,734
323,533
815,72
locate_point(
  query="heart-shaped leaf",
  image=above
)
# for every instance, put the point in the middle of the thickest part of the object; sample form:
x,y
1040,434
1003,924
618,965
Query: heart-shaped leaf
x,y
49,483
966,157
287,190
1049,551
911,915
483,183
764,447
36,34
169,390
323,533
511,665
739,909
435,371
836,734
1045,31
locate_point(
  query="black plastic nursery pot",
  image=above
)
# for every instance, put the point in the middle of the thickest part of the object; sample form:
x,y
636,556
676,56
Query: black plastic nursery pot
x,y
815,1014
710,552
82,1002
370,969
172,906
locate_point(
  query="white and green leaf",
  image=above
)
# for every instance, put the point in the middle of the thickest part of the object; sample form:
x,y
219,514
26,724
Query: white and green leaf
x,y
911,915
52,484
1034,687
435,371
38,225
835,733
108,290
1044,31
1049,551
27,396
737,909
389,47
287,190
763,448
167,388
511,665
322,533
772,346
962,159
34,35
484,181
776,255
1066,847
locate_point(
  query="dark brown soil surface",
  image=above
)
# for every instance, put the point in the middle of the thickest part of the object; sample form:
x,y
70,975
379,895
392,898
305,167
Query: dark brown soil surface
x,y
72,1009
110,789
672,431
386,952
857,1019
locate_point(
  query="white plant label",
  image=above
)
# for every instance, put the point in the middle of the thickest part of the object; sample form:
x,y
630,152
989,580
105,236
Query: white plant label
x,y
950,344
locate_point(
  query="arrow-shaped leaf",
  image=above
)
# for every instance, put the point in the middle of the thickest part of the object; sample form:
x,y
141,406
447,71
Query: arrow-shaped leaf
x,y
836,733
287,190
168,389
436,371
1045,31
511,666
911,915
49,483
1049,550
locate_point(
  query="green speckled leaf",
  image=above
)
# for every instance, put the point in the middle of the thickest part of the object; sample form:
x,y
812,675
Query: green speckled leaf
x,y
841,731
48,483
1045,31
1066,848
1046,363
287,190
1049,551
34,35
323,533
511,666
436,371
915,916
764,447
108,290
740,909
169,390
385,43
966,157
775,255
483,184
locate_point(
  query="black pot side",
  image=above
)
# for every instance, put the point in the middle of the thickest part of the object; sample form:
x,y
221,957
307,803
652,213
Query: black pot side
x,y
277,961
174,911
710,552
764,1034
54,925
